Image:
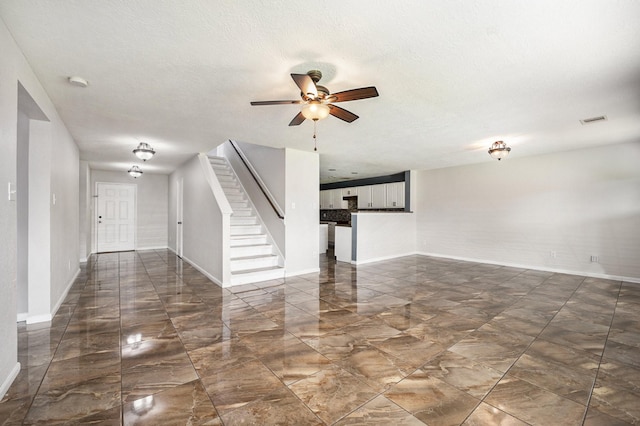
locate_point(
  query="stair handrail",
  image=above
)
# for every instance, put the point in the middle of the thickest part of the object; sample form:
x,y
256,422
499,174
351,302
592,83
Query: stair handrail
x,y
256,177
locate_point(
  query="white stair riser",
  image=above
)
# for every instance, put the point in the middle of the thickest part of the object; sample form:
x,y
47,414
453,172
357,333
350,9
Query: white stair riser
x,y
246,229
246,251
242,212
254,277
240,241
248,220
253,263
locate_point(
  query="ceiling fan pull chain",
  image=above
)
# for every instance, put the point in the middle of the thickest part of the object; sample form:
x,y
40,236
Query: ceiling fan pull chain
x,y
315,140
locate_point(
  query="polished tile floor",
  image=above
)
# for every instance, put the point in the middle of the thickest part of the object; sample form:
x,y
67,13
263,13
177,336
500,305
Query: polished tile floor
x,y
144,338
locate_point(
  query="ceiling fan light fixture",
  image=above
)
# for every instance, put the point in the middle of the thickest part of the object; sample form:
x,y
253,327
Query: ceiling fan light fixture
x,y
499,150
135,172
144,151
315,110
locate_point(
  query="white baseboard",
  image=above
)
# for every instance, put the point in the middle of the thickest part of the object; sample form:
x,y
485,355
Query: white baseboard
x,y
34,319
306,271
203,271
152,248
6,384
23,316
378,259
535,268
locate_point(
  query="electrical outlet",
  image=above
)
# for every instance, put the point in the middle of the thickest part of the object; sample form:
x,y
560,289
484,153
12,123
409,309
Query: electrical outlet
x,y
594,258
552,254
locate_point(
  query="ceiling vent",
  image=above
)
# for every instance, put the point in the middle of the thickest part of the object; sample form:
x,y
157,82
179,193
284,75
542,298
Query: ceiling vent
x,y
593,119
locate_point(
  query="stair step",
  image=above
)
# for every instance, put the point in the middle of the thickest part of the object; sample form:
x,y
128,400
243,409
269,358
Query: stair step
x,y
242,212
251,250
235,198
232,189
257,275
248,240
253,262
246,229
243,220
239,204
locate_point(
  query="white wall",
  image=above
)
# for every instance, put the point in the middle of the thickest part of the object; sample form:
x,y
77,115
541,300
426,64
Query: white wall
x,y
23,216
152,209
202,220
302,189
522,211
62,180
270,165
381,235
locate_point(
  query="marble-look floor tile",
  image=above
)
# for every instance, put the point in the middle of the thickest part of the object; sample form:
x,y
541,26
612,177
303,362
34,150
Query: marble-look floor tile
x,y
67,372
432,400
75,401
216,357
152,366
186,404
278,408
496,356
332,393
240,385
375,367
294,361
434,335
485,415
380,411
534,405
617,391
463,373
410,349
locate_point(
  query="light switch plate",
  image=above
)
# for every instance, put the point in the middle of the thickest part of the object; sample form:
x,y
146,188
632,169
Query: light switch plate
x,y
11,191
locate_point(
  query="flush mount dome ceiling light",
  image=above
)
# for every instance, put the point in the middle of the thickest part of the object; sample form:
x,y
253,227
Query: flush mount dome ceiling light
x,y
78,81
144,151
135,172
499,150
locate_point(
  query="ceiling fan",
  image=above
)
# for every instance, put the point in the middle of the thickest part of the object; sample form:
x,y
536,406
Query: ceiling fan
x,y
317,102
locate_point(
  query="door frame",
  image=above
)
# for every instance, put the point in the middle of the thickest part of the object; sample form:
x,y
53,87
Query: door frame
x,y
96,244
179,216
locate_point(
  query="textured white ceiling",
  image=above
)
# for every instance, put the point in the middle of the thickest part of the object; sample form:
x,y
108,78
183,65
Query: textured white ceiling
x,y
453,76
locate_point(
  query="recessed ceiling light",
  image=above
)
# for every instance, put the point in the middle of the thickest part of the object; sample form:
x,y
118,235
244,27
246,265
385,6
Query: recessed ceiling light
x,y
593,119
354,173
332,170
78,81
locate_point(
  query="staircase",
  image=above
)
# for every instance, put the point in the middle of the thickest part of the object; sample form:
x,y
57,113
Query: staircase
x,y
253,256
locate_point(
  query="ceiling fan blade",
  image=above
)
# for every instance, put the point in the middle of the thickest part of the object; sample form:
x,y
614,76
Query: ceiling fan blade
x,y
306,85
297,120
355,94
275,102
342,113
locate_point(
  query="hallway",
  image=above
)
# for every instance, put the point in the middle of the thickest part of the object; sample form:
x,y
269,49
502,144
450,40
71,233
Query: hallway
x,y
144,338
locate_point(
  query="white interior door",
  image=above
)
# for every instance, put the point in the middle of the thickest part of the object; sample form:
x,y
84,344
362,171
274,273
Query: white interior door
x,y
179,216
116,217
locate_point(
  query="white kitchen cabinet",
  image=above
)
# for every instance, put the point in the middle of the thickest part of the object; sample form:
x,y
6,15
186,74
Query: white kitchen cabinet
x,y
379,196
364,197
371,197
395,195
325,199
350,192
331,199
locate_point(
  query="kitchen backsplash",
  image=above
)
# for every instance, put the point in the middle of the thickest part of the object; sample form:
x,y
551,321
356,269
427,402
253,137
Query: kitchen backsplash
x,y
340,216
